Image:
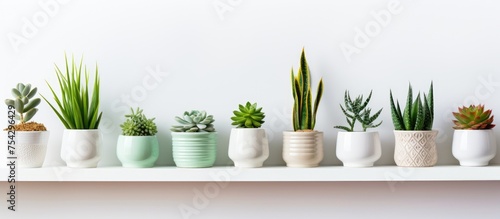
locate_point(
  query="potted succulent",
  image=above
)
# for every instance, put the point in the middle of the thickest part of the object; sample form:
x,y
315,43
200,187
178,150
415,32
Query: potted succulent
x,y
137,146
194,140
78,110
248,144
415,144
303,147
474,143
358,148
31,138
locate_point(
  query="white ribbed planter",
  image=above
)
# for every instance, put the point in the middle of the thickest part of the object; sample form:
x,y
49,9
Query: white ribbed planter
x,y
31,147
474,147
415,148
302,149
81,147
358,149
248,147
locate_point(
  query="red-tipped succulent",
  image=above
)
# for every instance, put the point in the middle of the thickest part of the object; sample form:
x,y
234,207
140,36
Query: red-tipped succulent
x,y
473,117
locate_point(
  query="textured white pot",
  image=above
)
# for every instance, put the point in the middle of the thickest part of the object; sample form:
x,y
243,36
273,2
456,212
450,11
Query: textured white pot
x,y
415,148
248,147
81,147
474,147
31,147
302,149
358,149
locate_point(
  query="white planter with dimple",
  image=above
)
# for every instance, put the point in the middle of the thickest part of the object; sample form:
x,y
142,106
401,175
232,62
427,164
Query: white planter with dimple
x,y
248,147
302,149
81,147
474,147
358,149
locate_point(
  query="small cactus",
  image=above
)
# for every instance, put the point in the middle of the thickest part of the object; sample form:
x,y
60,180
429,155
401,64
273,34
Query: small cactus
x,y
473,117
194,121
138,125
23,102
248,116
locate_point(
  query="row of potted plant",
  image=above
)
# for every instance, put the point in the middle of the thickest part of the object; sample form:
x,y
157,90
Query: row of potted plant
x,y
194,138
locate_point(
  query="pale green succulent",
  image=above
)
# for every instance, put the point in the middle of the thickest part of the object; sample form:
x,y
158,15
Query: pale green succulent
x,y
138,125
23,102
194,121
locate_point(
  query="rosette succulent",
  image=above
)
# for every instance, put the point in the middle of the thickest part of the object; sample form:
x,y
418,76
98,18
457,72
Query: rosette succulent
x,y
194,121
473,117
248,116
138,125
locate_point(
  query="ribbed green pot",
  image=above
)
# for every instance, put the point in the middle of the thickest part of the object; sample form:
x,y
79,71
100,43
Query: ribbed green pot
x,y
195,149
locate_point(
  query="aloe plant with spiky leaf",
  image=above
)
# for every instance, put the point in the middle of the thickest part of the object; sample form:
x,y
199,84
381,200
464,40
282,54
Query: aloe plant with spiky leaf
x,y
358,110
417,114
137,124
248,116
473,118
304,113
78,106
194,121
23,102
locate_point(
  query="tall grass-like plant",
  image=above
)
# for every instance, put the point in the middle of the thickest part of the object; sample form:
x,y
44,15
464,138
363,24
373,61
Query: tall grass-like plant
x,y
417,115
78,106
304,115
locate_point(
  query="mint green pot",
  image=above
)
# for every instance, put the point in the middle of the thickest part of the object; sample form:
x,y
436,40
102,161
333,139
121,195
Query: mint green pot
x,y
194,149
137,151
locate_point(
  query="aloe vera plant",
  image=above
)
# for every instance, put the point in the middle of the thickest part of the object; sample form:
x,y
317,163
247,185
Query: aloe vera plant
x,y
78,106
358,110
304,112
418,114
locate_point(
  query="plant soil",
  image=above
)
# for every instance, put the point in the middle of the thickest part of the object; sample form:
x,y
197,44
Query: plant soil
x,y
28,126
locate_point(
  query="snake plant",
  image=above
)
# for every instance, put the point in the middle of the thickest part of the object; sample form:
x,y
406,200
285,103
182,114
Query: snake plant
x,y
304,112
418,114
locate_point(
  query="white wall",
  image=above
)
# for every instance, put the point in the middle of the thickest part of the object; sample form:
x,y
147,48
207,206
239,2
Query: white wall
x,y
207,59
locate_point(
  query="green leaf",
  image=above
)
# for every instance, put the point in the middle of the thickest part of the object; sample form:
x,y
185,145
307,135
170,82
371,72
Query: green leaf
x,y
32,93
397,118
19,105
16,93
9,102
32,104
343,128
29,114
26,90
407,111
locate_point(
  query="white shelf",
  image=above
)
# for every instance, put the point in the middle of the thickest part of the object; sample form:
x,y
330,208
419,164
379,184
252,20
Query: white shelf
x,y
265,174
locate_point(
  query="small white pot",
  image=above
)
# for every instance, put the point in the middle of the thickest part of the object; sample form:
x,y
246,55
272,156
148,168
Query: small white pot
x,y
31,147
248,147
358,149
81,147
302,149
415,148
474,147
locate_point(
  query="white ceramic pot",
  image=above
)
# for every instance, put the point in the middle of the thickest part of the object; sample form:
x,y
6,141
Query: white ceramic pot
x,y
31,147
358,149
81,147
302,149
415,148
474,147
248,147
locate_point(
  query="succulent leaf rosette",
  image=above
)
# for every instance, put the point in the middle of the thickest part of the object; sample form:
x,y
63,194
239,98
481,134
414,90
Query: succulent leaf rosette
x,y
473,118
248,116
194,121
